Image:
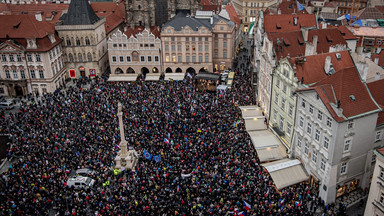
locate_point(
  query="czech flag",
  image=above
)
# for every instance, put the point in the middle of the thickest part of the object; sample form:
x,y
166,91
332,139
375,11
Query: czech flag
x,y
157,158
147,155
166,141
247,206
241,214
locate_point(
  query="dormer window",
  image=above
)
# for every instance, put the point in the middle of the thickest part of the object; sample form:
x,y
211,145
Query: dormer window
x,y
52,38
31,44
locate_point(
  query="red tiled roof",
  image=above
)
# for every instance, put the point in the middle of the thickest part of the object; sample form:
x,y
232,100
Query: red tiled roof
x,y
381,58
210,7
380,8
43,44
156,30
346,33
286,7
105,7
339,87
370,13
24,26
330,4
112,20
292,43
232,13
284,22
133,32
377,90
381,151
312,70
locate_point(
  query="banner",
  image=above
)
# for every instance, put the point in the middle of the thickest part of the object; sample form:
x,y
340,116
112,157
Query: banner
x,y
147,155
92,72
72,73
157,158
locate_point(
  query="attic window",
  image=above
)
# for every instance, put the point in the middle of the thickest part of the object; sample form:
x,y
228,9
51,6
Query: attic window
x,y
278,26
329,39
300,40
286,42
338,56
352,97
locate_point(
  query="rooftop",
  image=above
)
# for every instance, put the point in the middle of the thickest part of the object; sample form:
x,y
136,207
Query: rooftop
x,y
286,22
79,12
377,90
370,13
367,31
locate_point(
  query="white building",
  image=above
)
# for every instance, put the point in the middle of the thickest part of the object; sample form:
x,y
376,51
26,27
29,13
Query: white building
x,y
375,202
335,132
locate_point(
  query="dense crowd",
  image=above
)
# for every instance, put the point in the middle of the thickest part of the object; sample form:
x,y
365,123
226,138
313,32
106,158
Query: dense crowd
x,y
208,164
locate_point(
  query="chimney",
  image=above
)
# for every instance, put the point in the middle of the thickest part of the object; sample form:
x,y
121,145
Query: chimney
x,y
304,31
324,25
211,20
279,11
377,61
295,21
38,16
327,64
314,42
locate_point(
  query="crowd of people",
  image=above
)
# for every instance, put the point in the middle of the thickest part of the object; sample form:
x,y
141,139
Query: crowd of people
x,y
208,165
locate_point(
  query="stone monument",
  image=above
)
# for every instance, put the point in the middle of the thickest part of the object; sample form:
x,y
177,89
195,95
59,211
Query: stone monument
x,y
125,158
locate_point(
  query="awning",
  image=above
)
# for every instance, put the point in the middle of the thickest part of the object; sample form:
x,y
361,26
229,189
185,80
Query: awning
x,y
222,87
286,172
247,113
152,77
207,76
124,78
269,154
174,76
254,124
264,139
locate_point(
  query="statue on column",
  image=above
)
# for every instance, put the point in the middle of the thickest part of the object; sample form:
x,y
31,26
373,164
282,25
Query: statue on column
x,y
126,158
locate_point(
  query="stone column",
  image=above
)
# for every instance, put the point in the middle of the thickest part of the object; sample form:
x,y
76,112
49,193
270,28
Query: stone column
x,y
123,142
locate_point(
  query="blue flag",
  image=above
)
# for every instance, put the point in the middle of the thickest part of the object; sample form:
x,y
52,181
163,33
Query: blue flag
x,y
157,158
147,155
300,7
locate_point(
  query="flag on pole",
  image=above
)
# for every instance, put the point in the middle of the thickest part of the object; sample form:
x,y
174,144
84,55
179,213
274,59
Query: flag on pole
x,y
300,7
241,214
247,206
267,193
166,141
147,155
157,158
251,28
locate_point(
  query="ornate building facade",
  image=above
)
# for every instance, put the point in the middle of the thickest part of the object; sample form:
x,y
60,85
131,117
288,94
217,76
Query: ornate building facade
x,y
150,12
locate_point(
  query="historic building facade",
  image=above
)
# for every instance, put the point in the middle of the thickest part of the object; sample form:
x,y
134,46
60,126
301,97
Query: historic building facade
x,y
137,53
84,36
31,63
156,13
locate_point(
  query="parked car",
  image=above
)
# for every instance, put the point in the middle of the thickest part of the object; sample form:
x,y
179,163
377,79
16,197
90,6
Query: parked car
x,y
80,182
7,105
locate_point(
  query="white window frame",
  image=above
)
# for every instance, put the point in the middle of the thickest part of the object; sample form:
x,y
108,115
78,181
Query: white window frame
x,y
290,110
282,106
306,149
347,145
274,114
381,174
317,135
301,121
329,122
128,58
156,58
276,98
114,59
322,164
141,58
326,142
289,128
378,136
303,103
351,124
343,168
149,58
121,58
320,115
309,128
299,141
310,108
314,156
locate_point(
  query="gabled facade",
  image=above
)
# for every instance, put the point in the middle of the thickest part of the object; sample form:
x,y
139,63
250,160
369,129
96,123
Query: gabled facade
x,y
31,58
137,53
334,132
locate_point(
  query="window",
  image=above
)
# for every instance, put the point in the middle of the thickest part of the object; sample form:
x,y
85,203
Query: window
x,y
193,58
7,74
303,103
188,59
70,57
167,58
301,121
68,42
373,160
225,54
314,156
343,168
317,135
322,164
1,90
29,57
156,58
3,58
320,115
306,149
149,58
142,58
186,47
284,88
289,127
326,142
283,103
38,59
274,114
225,44
173,47
200,58
22,74
299,142
378,136
179,59
281,126
216,54
41,74
206,48
87,42
347,145
80,57
350,124
11,58
186,38
89,56
329,122
121,58
216,44
193,38
15,74
114,59
166,48
311,108
290,110
200,47
77,42
206,38
381,172
278,83
276,98
174,58
53,52
172,38
179,47
33,75
309,128
206,58
18,56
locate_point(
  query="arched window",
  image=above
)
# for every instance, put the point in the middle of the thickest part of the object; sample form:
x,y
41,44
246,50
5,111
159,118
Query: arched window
x,y
80,57
89,57
87,42
70,56
139,7
68,41
77,42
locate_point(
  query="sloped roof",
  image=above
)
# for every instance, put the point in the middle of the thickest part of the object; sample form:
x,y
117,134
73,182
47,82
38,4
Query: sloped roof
x,y
326,38
367,31
312,70
340,86
24,26
234,17
370,13
377,90
381,58
330,4
380,8
284,22
329,15
346,33
286,7
112,20
80,12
